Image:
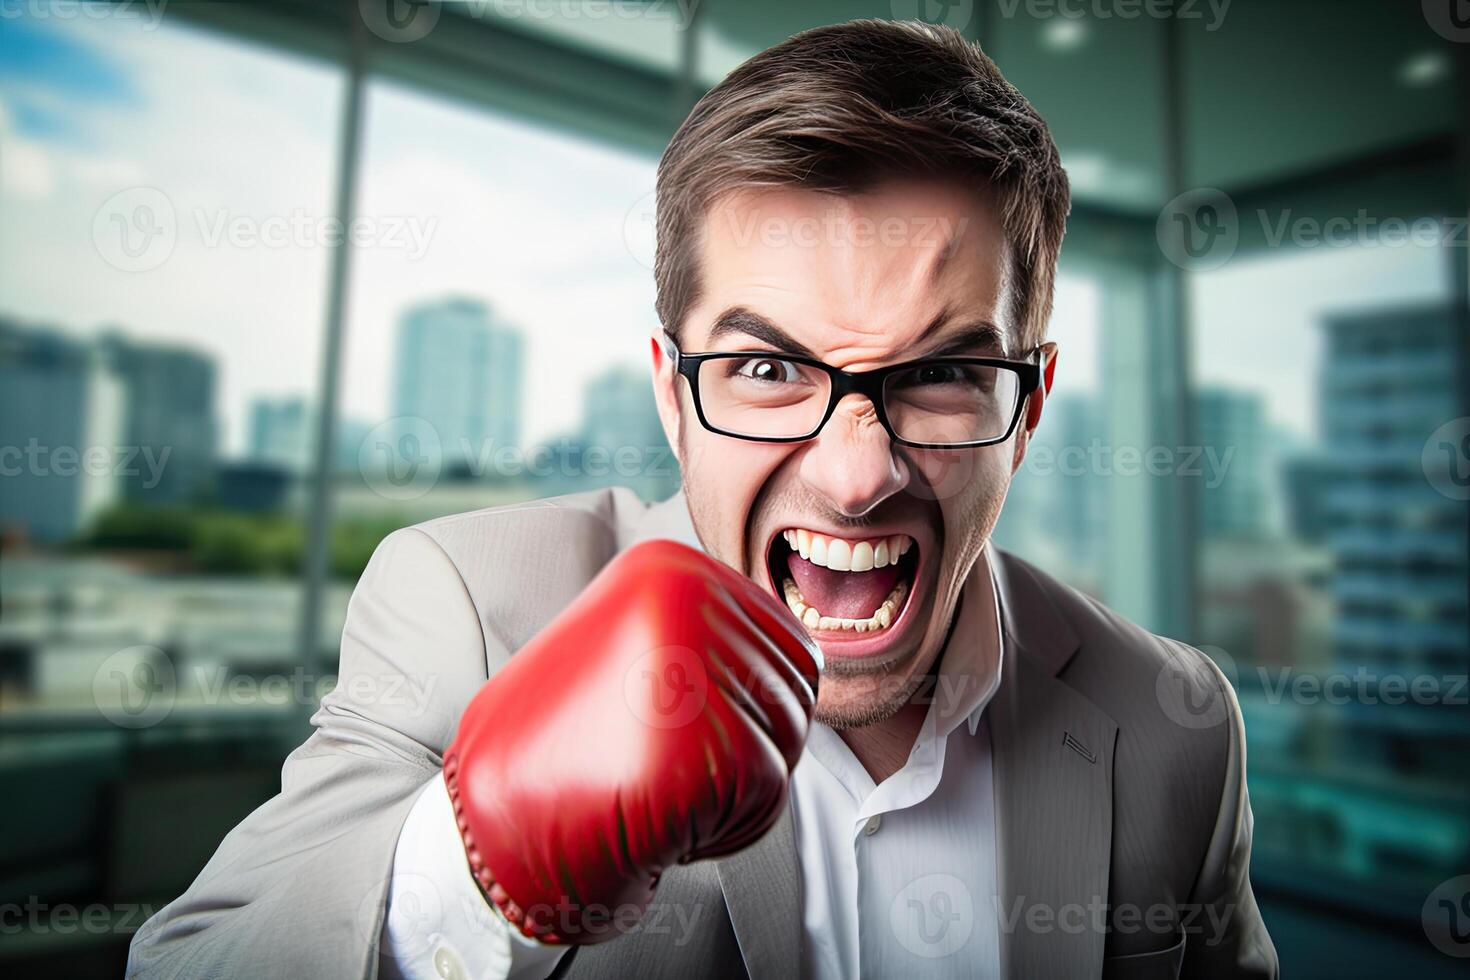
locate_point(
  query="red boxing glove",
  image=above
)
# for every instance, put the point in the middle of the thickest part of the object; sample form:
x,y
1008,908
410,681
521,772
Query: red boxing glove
x,y
656,721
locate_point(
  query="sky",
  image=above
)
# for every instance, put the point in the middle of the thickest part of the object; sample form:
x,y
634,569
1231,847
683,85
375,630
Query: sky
x,y
1258,319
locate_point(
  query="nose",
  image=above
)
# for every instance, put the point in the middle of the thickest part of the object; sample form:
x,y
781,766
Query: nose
x,y
851,462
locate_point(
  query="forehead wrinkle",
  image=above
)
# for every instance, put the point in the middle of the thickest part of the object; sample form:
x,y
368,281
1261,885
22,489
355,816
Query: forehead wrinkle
x,y
876,346
884,313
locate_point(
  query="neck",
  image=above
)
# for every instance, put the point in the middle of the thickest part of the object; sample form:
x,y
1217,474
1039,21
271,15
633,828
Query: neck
x,y
884,747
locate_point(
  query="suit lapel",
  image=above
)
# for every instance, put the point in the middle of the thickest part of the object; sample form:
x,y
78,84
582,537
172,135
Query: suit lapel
x,y
1052,752
666,519
762,887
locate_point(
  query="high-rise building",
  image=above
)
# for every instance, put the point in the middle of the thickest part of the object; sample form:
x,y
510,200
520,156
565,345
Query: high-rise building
x,y
1399,583
168,411
351,432
62,453
1306,479
618,411
460,372
281,433
621,439
1232,426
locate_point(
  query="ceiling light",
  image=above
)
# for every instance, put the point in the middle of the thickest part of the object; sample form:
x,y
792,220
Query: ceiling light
x,y
1064,34
1424,69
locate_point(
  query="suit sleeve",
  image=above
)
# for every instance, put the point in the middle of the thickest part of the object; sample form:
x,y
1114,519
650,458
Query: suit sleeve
x,y
1228,937
299,888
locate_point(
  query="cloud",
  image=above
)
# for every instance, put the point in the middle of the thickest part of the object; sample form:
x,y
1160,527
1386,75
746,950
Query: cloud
x,y
26,171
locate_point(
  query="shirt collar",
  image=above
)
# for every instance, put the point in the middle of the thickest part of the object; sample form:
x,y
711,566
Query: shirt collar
x,y
969,673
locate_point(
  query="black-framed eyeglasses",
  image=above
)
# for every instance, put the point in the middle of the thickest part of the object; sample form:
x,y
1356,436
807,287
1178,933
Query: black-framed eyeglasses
x,y
934,403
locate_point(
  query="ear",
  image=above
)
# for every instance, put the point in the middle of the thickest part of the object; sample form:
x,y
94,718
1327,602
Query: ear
x,y
665,390
1034,403
1039,396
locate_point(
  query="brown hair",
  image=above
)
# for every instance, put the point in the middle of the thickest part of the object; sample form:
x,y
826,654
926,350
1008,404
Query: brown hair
x,y
836,108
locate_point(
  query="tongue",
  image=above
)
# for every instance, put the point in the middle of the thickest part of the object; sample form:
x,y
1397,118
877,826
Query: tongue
x,y
842,595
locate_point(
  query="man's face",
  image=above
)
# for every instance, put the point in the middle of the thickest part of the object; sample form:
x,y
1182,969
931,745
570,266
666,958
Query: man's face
x,y
859,282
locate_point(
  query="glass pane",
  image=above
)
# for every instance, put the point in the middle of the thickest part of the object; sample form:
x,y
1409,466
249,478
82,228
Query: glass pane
x,y
1055,514
497,350
1333,560
166,196
167,199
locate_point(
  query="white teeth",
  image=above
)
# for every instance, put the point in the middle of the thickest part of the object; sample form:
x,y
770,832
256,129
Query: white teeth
x,y
881,619
841,555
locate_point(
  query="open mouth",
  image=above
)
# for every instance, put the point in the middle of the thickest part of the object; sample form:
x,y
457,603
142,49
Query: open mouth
x,y
853,585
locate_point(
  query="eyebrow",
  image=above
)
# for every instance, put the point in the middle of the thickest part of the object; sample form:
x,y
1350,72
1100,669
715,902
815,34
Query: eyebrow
x,y
979,336
739,320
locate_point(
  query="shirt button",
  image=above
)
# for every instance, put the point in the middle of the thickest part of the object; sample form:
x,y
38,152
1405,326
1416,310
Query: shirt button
x,y
447,965
874,822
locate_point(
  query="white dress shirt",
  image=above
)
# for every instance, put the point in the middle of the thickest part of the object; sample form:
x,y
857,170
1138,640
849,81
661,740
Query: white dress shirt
x,y
897,878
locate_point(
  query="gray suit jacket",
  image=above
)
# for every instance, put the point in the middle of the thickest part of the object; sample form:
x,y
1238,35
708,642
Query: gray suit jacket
x,y
1123,826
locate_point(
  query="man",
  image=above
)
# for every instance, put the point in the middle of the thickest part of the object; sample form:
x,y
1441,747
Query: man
x,y
885,748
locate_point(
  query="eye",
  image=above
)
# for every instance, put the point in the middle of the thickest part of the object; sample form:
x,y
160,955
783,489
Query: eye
x,y
938,374
768,369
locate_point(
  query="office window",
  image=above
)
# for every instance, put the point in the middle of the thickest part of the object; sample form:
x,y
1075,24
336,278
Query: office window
x,y
163,269
1333,559
166,196
1055,514
497,349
